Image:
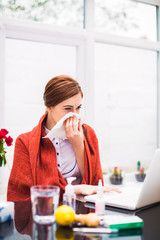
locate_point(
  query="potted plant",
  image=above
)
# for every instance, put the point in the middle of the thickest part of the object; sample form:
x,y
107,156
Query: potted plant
x,y
4,140
116,177
140,175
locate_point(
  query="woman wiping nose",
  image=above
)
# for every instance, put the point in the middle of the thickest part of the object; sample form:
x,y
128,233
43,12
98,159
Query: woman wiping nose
x,y
42,160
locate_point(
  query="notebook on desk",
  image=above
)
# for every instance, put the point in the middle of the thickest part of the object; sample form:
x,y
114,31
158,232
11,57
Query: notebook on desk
x,y
139,195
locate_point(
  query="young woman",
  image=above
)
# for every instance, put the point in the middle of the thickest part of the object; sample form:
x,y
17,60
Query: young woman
x,y
39,160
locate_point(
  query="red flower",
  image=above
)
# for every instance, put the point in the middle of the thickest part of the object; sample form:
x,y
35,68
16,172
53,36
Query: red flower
x,y
9,141
3,133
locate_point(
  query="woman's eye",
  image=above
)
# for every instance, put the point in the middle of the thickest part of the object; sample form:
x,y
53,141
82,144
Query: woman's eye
x,y
67,109
79,107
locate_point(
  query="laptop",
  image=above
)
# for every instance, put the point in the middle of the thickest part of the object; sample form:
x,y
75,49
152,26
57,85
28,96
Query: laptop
x,y
136,195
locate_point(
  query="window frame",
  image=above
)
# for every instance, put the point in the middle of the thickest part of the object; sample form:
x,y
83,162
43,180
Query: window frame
x,y
84,40
128,42
38,32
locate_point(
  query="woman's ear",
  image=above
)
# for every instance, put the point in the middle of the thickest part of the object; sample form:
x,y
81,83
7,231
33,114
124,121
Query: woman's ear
x,y
48,109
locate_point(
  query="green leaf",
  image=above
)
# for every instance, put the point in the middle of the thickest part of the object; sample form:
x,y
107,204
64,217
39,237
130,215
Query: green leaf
x,y
1,146
4,159
0,161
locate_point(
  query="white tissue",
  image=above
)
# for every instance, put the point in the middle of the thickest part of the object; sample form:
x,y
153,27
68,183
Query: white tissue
x,y
58,130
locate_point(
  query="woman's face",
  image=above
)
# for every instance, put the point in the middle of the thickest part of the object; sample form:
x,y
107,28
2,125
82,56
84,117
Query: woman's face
x,y
57,112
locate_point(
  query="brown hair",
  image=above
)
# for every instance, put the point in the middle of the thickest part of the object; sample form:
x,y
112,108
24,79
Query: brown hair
x,y
59,89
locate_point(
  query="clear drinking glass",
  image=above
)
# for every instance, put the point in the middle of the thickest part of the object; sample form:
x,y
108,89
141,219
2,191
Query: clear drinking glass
x,y
45,200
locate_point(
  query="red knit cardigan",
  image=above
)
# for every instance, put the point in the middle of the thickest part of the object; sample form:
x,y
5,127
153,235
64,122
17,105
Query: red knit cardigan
x,y
35,163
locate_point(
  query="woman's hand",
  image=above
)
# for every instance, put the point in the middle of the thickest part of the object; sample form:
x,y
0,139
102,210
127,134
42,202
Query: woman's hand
x,y
85,189
74,133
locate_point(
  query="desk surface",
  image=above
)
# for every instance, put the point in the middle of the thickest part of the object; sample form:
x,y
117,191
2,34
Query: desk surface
x,y
24,228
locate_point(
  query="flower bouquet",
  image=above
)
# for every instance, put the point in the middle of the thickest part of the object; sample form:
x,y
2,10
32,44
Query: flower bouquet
x,y
4,139
140,175
116,176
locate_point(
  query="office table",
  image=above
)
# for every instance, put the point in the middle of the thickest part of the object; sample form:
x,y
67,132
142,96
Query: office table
x,y
23,227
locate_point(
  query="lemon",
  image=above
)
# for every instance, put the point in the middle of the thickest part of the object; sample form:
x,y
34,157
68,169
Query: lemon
x,y
64,215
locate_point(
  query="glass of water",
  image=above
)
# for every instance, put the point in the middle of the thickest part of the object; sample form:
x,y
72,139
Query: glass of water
x,y
45,200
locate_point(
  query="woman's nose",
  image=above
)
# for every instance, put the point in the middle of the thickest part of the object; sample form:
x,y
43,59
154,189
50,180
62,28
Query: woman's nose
x,y
74,111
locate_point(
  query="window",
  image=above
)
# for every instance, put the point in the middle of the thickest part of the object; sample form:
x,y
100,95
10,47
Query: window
x,y
126,18
115,58
60,13
29,66
125,104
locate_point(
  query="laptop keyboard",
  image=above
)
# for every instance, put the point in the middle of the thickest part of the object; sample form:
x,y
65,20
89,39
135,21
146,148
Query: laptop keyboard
x,y
128,197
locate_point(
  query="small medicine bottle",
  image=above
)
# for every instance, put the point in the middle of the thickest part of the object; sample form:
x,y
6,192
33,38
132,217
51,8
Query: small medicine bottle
x,y
69,197
100,203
